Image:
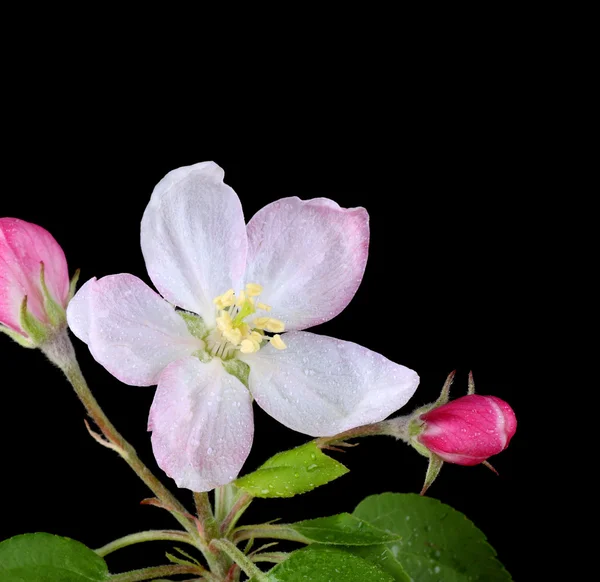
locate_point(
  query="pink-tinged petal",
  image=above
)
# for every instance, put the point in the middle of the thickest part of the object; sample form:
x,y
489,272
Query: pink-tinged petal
x,y
309,256
78,311
23,246
131,330
201,423
194,238
469,429
321,386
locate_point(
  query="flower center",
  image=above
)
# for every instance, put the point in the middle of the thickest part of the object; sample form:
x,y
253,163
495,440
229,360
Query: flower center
x,y
235,332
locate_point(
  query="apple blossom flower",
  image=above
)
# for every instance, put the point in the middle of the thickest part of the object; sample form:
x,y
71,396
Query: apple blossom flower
x,y
468,430
34,282
215,339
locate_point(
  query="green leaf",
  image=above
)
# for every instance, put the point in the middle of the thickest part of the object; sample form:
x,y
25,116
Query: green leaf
x,y
342,529
239,369
319,564
383,557
438,542
292,472
42,557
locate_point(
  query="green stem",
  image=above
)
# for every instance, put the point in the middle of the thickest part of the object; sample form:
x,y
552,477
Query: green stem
x,y
219,562
205,515
392,427
145,536
241,504
401,427
243,561
154,572
60,351
276,532
378,428
224,499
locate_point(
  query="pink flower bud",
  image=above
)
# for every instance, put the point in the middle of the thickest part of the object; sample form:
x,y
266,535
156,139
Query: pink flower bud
x,y
468,430
23,248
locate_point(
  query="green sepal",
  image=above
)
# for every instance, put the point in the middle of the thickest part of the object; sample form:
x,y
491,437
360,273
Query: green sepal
x,y
416,426
195,324
203,356
445,393
239,369
433,470
422,449
198,329
292,472
56,314
471,389
21,340
33,327
73,284
442,398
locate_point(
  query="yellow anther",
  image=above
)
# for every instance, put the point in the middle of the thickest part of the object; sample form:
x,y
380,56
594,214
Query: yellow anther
x,y
277,342
251,343
261,322
248,347
253,289
263,306
224,321
225,300
275,325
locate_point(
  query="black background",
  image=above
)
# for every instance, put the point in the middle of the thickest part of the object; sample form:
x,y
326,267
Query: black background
x,y
447,170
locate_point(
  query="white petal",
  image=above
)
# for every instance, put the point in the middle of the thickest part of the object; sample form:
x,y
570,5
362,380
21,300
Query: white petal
x,y
78,311
131,330
309,256
202,425
321,386
194,238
